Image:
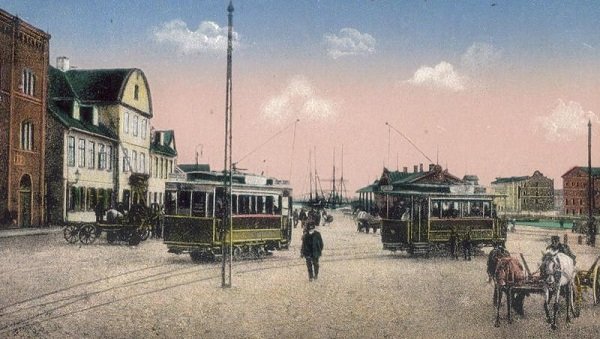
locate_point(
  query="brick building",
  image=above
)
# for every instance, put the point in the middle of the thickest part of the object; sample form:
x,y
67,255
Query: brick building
x,y
575,190
24,63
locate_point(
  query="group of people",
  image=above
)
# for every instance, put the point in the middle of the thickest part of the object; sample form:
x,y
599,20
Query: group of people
x,y
118,215
456,243
311,217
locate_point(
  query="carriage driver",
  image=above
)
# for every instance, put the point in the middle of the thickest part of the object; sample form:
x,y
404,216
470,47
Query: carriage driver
x,y
556,246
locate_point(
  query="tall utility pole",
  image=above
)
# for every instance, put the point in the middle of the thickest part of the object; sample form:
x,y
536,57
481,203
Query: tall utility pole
x,y
227,224
591,225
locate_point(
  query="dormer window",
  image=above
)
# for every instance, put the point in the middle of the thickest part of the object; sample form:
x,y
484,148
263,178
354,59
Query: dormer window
x,y
86,114
136,92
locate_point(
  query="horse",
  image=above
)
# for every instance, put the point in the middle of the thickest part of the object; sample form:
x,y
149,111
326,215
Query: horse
x,y
505,271
558,274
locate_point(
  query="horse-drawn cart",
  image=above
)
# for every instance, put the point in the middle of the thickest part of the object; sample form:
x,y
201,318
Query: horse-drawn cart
x,y
588,279
133,228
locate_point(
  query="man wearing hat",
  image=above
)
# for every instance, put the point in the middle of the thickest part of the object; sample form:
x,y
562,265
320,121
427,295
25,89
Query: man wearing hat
x,y
556,246
312,246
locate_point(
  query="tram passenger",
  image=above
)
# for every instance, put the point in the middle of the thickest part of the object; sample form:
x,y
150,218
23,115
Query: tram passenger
x,y
113,215
312,247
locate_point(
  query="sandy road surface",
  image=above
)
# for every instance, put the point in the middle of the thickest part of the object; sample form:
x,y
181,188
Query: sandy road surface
x,y
49,288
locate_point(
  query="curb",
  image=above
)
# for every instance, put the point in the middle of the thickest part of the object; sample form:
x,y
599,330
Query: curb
x,y
8,233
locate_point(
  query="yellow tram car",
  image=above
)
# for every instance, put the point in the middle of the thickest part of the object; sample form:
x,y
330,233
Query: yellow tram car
x,y
195,207
423,211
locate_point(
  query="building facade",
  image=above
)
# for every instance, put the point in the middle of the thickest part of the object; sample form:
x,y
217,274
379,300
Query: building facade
x,y
576,193
509,193
80,170
100,134
537,194
163,161
24,62
533,193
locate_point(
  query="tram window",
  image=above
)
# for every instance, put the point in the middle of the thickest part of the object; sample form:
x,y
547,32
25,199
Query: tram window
x,y
269,204
183,202
435,209
209,203
234,204
486,210
199,204
260,205
220,202
252,204
170,203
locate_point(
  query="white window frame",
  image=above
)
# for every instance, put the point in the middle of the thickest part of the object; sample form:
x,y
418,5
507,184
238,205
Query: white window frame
x,y
71,152
91,160
142,162
28,82
81,152
126,123
109,157
126,165
134,160
144,128
27,135
101,157
135,126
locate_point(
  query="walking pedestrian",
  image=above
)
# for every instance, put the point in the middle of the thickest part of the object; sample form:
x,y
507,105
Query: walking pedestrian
x,y
467,246
295,217
312,247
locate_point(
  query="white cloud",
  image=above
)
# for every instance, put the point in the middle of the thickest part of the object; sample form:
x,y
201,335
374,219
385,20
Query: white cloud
x,y
298,100
441,75
349,41
207,37
566,121
480,56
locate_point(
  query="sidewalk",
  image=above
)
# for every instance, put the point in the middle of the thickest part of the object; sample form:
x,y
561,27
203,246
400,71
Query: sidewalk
x,y
15,232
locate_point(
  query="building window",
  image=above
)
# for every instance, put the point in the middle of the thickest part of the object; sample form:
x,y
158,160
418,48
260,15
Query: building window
x,y
136,92
156,167
28,82
134,161
71,152
170,166
27,136
109,157
125,160
101,157
161,168
126,123
135,126
144,127
81,152
91,154
142,163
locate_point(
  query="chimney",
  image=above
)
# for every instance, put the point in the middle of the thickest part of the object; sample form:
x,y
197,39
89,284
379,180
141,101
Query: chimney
x,y
62,63
405,169
431,167
420,167
161,137
416,168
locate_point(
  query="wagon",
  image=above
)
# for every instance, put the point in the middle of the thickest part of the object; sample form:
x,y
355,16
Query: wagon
x,y
588,280
132,229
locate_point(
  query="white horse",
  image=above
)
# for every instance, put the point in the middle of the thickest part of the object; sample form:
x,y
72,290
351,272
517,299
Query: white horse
x,y
558,273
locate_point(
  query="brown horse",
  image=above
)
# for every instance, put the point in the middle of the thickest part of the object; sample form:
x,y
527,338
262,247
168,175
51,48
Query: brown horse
x,y
505,271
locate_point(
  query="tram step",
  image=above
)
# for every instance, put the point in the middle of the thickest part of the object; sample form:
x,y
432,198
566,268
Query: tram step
x,y
420,248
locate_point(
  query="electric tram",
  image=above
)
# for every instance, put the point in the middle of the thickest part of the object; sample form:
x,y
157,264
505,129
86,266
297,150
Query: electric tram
x,y
423,211
195,206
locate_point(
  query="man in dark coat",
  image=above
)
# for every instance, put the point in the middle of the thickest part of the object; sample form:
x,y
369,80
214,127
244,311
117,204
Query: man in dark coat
x,y
312,247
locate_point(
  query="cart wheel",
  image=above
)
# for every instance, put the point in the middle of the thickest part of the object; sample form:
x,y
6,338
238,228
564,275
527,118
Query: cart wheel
x,y
71,234
87,234
125,234
596,285
577,297
135,238
143,232
111,237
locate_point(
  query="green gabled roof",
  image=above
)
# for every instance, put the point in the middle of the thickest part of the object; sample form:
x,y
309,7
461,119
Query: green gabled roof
x,y
98,85
164,148
60,101
509,179
397,177
66,119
